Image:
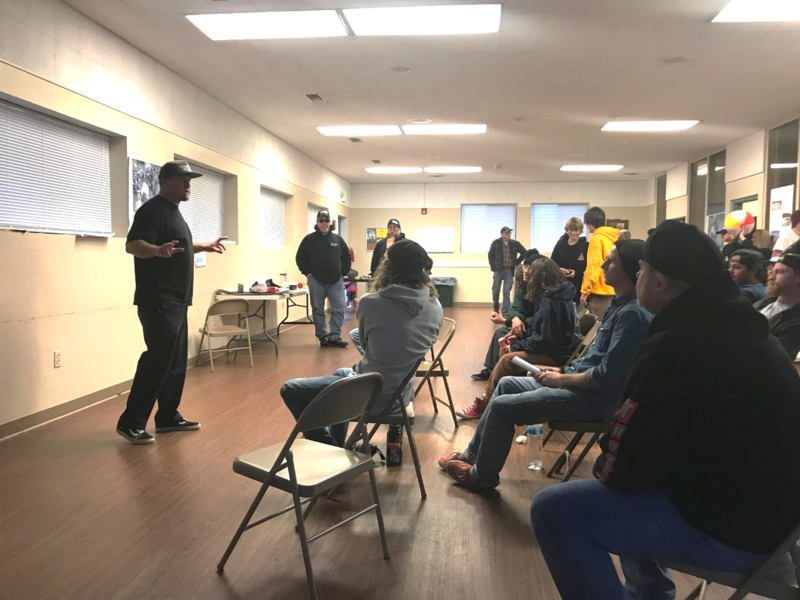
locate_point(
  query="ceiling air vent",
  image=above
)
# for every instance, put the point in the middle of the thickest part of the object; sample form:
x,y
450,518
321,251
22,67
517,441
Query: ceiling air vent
x,y
356,140
376,161
315,98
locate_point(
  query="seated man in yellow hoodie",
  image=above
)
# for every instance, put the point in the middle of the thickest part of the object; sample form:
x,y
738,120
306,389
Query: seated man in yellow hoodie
x,y
596,294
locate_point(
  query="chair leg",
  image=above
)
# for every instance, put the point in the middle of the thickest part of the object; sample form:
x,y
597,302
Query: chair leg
x,y
238,346
200,351
244,523
413,445
556,468
301,529
547,437
378,513
581,456
699,592
249,342
211,354
449,398
433,396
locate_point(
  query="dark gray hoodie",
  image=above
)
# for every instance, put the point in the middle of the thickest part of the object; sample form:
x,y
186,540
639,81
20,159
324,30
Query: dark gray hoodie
x,y
397,326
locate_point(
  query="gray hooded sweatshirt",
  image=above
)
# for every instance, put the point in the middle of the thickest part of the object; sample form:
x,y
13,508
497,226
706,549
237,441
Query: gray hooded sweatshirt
x,y
397,326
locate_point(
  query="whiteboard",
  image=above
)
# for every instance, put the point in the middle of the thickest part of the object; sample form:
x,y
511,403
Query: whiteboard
x,y
436,239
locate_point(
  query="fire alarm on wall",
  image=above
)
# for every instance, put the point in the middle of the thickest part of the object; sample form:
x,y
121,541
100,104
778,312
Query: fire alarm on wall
x,y
424,211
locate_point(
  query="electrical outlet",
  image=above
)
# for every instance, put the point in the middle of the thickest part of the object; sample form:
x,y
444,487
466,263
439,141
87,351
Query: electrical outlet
x,y
56,359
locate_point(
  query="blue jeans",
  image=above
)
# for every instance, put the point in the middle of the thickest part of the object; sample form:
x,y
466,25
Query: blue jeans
x,y
297,394
579,524
334,292
356,340
522,401
506,277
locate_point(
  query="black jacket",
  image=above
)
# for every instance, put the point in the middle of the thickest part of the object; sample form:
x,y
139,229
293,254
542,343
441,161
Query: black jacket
x,y
785,326
326,257
555,331
380,250
712,419
496,253
572,257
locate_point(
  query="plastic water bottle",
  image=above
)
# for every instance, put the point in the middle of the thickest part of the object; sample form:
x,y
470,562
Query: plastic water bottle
x,y
534,450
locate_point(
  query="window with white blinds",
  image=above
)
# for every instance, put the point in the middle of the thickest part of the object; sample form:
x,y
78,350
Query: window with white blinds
x,y
312,216
548,220
481,224
204,212
54,177
272,217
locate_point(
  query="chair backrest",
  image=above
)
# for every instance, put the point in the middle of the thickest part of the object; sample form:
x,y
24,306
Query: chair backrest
x,y
586,322
348,399
447,331
398,397
228,306
585,343
581,312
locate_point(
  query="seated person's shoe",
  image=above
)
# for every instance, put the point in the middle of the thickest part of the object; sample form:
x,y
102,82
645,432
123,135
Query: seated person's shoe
x,y
337,343
323,340
483,375
474,410
182,425
136,436
461,472
449,458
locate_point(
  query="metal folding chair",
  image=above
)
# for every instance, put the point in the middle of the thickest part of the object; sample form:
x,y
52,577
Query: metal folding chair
x,y
578,430
232,306
435,368
308,469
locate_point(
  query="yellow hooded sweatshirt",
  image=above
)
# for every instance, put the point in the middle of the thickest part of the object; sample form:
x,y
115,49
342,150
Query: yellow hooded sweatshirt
x,y
594,281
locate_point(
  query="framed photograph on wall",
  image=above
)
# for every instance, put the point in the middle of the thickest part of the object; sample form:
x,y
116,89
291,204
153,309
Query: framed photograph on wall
x,y
143,184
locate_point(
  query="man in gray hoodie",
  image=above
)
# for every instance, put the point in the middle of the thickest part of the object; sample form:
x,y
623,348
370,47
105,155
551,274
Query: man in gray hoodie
x,y
398,323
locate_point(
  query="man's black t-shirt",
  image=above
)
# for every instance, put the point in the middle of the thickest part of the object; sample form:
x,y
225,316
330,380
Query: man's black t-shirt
x,y
163,280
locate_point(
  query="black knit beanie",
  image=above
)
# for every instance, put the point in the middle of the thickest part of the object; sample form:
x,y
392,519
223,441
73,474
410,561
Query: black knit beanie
x,y
683,252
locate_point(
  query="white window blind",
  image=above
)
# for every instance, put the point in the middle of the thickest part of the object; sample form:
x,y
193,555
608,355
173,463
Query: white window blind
x,y
272,215
312,216
54,177
548,220
481,224
204,212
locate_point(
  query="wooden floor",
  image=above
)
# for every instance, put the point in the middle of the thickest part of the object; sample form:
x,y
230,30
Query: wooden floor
x,y
85,515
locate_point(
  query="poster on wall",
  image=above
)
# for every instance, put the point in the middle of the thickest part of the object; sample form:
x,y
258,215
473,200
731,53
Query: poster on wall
x,y
781,203
143,185
617,223
374,234
715,223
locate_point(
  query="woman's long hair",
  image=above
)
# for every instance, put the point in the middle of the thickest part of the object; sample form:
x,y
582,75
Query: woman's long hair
x,y
386,274
545,276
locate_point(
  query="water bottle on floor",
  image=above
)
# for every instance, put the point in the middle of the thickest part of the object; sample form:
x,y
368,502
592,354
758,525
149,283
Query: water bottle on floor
x,y
534,450
394,446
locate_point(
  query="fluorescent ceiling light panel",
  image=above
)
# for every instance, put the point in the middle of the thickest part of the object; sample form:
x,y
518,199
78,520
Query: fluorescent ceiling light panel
x,y
443,129
393,170
270,25
648,125
783,166
752,11
359,130
592,168
452,169
424,20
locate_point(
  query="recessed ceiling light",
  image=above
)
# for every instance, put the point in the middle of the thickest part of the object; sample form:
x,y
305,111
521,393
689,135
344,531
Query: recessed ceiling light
x,y
592,168
677,59
648,125
452,169
443,129
751,11
270,25
783,166
359,130
419,121
393,170
424,20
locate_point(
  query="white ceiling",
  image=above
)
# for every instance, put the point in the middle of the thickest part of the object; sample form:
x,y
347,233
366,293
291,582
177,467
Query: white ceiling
x,y
563,66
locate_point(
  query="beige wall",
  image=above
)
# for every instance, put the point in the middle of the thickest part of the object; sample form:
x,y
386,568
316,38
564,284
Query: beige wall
x,y
748,186
677,208
71,294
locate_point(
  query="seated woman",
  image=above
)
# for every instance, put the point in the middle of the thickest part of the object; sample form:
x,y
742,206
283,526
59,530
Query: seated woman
x,y
551,338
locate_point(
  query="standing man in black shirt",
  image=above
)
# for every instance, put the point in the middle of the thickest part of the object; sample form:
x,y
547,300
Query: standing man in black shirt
x,y
161,242
323,257
393,234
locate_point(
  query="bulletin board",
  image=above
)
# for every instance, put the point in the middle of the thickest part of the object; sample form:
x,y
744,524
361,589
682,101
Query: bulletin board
x,y
436,239
374,235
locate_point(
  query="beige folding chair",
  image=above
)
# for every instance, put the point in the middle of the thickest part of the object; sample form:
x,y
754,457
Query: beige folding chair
x,y
312,469
435,368
232,306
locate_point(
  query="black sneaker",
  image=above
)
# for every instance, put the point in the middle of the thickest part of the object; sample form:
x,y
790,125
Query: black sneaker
x,y
182,425
324,341
337,343
483,375
136,436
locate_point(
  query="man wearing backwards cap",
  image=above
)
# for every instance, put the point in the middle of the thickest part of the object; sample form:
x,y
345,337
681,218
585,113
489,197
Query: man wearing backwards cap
x,y
393,234
163,250
747,269
782,304
398,321
504,255
671,471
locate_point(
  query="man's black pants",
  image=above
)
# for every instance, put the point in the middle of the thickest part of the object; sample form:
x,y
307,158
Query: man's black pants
x,y
162,367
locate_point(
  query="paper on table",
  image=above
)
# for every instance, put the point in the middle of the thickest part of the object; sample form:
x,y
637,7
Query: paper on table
x,y
526,365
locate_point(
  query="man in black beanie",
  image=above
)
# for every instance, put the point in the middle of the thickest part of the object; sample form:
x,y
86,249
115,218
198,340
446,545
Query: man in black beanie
x,y
671,471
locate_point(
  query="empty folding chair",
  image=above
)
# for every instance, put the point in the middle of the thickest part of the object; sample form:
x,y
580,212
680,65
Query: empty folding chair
x,y
232,306
308,469
435,368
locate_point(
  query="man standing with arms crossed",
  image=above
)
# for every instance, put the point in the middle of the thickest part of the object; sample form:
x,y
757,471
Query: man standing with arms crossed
x,y
504,255
161,242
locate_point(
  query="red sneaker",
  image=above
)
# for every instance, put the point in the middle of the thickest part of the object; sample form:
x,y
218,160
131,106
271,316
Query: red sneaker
x,y
474,410
461,472
446,459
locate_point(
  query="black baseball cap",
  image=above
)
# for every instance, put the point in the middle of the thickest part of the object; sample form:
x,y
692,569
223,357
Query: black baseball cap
x,y
748,258
409,258
506,230
722,232
177,168
791,257
323,214
394,222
